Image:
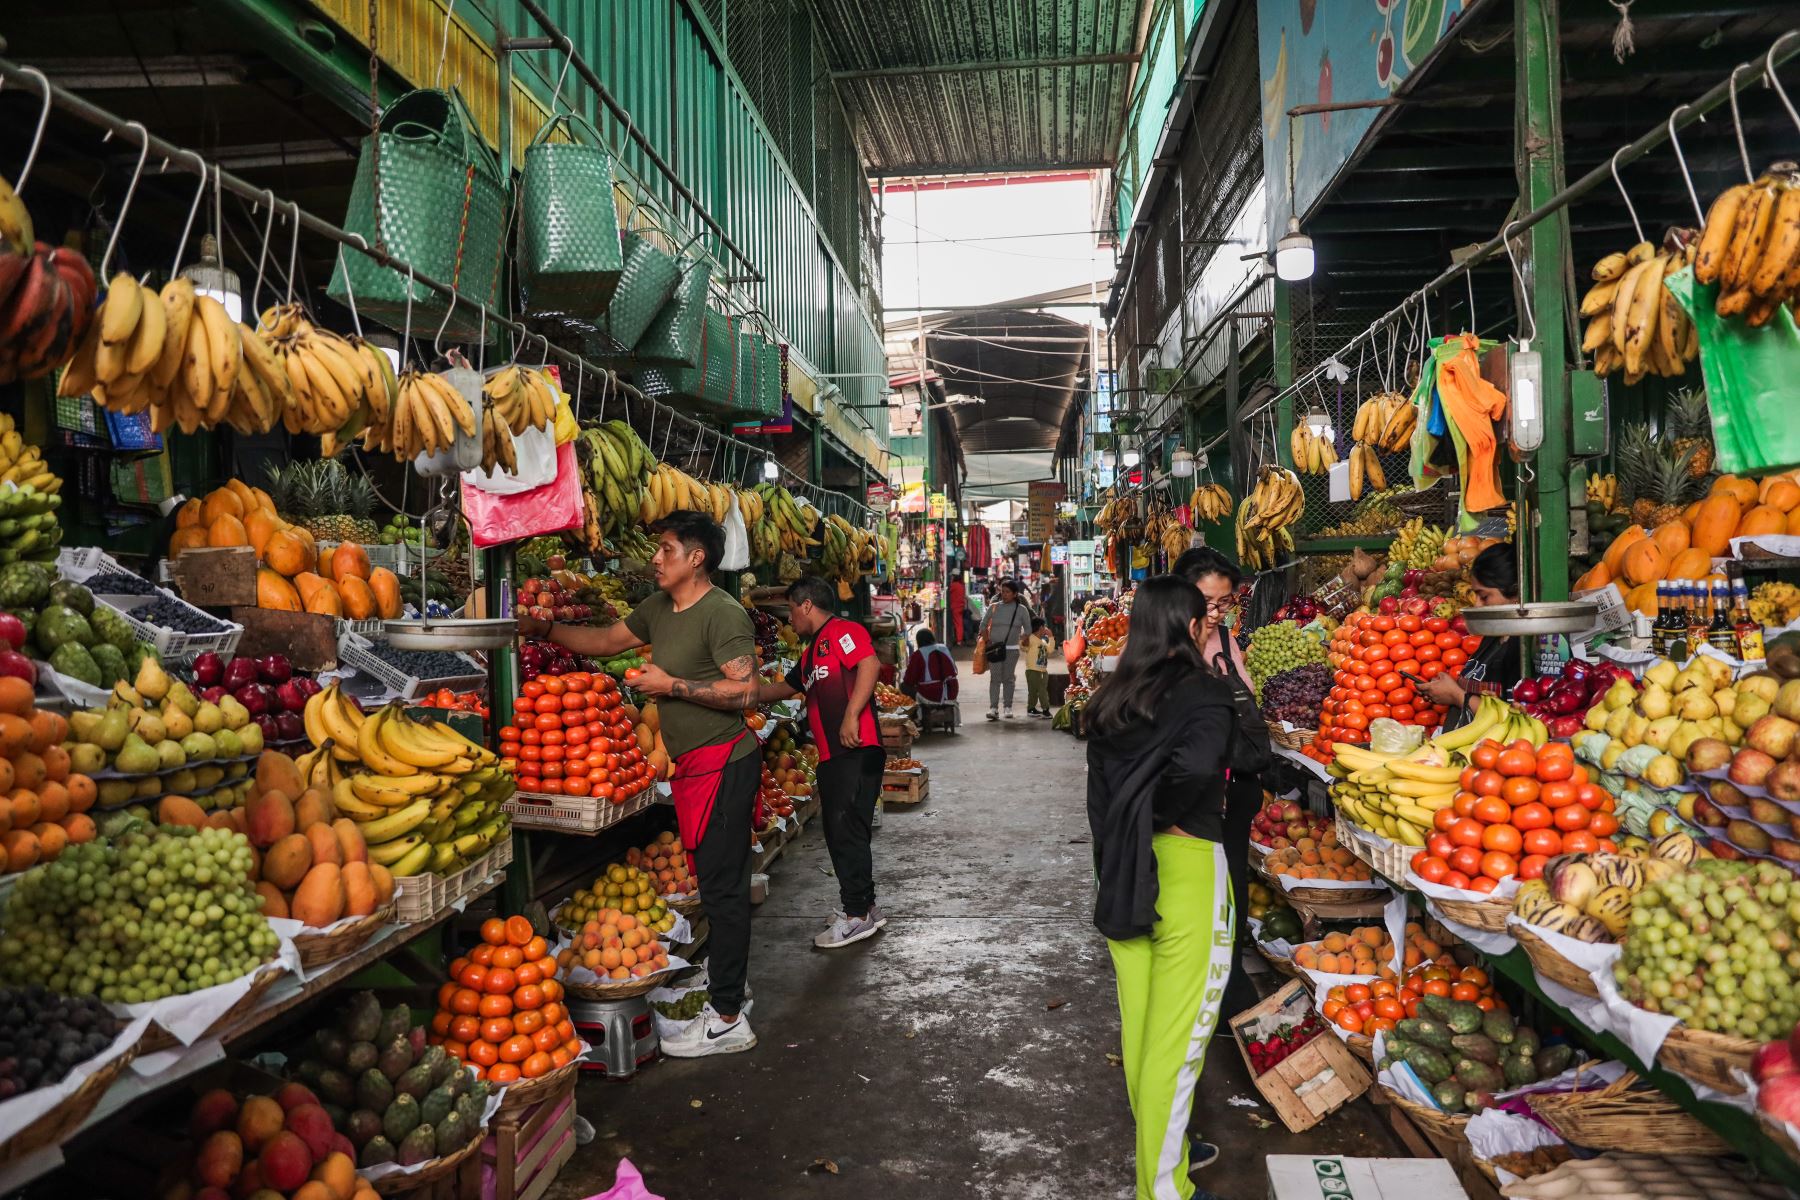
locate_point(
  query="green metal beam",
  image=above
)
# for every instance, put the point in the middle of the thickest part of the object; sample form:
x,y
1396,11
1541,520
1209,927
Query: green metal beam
x,y
296,35
1016,64
1538,139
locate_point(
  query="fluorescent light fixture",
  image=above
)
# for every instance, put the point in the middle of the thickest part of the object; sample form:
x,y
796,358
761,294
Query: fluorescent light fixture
x,y
212,278
1319,425
1294,254
1525,375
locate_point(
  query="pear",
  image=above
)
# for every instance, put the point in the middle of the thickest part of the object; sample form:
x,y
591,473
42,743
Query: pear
x,y
114,792
1636,726
148,786
1684,807
1763,684
208,718
1662,675
83,722
1596,717
152,682
1689,733
1726,698
208,777
150,727
1749,709
200,746
1655,702
1662,772
1731,732
1619,695
1692,676
136,756
235,715
124,693
1787,700
1659,731
1611,755
1694,705
183,699
170,755
113,730
230,745
1718,675
1615,724
181,782
238,770
86,758
251,737
176,720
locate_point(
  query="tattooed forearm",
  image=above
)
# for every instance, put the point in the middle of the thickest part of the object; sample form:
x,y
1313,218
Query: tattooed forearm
x,y
737,690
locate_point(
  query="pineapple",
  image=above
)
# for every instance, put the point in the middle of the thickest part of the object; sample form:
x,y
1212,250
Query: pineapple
x,y
1656,475
1690,427
326,499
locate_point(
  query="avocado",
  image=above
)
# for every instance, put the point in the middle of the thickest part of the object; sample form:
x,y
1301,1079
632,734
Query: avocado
x,y
1552,1061
420,1146
401,1118
376,1150
374,1091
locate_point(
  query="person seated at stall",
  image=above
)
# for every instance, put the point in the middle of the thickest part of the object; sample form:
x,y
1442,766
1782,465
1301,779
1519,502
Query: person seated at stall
x,y
930,672
1493,668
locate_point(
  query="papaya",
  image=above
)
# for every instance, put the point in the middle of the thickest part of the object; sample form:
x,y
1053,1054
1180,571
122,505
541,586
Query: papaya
x,y
227,531
1782,494
386,588
1742,490
1596,576
1764,518
1714,523
1615,552
1672,536
289,552
1691,563
319,900
1644,562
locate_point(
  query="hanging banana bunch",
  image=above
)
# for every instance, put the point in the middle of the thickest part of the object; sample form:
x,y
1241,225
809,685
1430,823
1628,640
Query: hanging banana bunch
x,y
1604,491
784,526
1266,517
670,489
1312,453
524,396
849,553
341,387
1385,421
1751,246
1211,501
1365,471
1635,324
618,467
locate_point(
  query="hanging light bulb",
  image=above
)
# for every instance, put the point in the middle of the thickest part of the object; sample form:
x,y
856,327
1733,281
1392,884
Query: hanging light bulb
x,y
1294,254
1319,424
1181,463
1525,372
213,278
770,471
1132,458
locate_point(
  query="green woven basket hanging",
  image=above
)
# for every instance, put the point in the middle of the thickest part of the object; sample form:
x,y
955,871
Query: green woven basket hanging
x,y
570,256
767,395
443,210
673,339
646,283
713,379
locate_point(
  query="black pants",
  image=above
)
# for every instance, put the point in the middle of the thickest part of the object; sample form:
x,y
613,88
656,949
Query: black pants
x,y
849,784
722,861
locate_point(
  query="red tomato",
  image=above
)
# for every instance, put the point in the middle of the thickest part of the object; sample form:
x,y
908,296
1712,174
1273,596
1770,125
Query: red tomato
x,y
1532,816
1571,817
1437,624
1496,865
1455,879
1444,818
1516,761
1542,843
1438,845
1532,866
1466,832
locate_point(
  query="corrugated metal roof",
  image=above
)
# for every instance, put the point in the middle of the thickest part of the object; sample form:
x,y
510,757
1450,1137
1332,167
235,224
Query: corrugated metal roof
x,y
930,91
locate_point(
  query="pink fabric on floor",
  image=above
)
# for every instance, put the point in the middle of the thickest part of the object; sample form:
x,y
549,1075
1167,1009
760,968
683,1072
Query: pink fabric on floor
x,y
627,1185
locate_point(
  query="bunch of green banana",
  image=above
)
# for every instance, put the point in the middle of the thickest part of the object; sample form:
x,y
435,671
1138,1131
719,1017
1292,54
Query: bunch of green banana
x,y
619,467
1266,517
849,552
782,525
424,797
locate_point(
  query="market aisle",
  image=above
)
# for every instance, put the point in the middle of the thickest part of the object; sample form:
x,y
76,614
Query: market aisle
x,y
927,1062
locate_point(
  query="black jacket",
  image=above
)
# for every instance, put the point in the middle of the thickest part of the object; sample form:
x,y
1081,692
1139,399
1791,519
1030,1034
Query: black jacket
x,y
1145,778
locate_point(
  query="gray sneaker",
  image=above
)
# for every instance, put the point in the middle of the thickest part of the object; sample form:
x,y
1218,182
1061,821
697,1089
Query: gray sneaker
x,y
847,929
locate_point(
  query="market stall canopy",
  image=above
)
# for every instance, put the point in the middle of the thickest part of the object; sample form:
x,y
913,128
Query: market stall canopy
x,y
1026,369
937,87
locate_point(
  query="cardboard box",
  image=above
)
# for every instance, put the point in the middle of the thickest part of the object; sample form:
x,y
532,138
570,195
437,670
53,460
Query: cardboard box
x,y
216,576
1336,1177
1312,1082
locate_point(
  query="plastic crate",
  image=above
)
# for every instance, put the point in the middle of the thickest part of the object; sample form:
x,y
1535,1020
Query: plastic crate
x,y
423,897
172,645
354,652
369,627
572,814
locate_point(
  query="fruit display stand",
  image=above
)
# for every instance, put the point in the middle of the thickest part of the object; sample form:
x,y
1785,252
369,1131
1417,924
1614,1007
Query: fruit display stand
x,y
906,788
356,653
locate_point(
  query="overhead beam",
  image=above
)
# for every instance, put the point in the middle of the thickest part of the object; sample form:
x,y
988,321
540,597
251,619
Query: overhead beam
x,y
164,71
974,65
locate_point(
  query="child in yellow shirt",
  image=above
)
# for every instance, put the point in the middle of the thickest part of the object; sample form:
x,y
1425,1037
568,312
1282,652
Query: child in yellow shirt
x,y
1036,653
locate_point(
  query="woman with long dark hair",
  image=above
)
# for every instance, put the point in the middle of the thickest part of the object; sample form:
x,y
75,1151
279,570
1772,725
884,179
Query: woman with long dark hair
x,y
1160,736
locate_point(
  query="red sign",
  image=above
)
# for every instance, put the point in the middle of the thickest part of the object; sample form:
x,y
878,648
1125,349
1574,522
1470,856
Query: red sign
x,y
879,495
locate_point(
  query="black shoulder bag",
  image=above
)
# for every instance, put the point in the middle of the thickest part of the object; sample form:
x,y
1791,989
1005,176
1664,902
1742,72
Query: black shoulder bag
x,y
1251,751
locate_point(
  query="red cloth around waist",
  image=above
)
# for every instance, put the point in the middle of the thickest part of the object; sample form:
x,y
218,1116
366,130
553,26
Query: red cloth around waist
x,y
695,785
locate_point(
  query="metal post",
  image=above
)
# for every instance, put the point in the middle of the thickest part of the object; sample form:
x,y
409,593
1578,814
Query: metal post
x,y
1538,150
1283,334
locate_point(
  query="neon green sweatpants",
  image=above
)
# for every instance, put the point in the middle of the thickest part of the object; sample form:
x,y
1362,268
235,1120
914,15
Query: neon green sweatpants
x,y
1171,985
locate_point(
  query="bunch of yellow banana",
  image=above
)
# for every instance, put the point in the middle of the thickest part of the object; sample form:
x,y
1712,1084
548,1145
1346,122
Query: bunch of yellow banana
x,y
428,414
619,467
784,526
1312,453
1604,491
338,387
751,505
848,554
180,356
424,797
1385,420
670,489
1635,323
1751,246
23,463
1266,516
497,449
1210,502
524,396
1117,512
1365,470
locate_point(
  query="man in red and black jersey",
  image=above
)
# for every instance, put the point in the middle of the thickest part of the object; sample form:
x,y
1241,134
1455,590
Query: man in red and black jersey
x,y
836,672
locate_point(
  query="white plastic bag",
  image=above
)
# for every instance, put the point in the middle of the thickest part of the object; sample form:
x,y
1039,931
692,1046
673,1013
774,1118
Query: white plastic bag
x,y
535,450
737,540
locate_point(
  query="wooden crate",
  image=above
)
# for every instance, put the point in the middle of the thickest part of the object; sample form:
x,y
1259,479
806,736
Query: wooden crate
x,y
310,640
905,787
524,1151
216,576
1314,1081
898,734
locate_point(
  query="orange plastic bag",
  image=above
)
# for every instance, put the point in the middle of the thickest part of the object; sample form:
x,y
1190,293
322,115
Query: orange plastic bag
x,y
1473,405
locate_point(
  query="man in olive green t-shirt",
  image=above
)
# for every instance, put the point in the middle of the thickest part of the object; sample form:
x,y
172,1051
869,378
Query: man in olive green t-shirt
x,y
703,677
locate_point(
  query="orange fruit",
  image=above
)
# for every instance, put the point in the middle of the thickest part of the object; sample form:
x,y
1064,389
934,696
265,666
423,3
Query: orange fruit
x,y
493,931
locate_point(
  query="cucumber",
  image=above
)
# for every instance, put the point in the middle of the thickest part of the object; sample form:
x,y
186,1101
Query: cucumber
x,y
1425,1032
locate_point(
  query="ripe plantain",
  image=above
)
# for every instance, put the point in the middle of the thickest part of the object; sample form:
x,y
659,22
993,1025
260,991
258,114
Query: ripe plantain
x,y
1716,237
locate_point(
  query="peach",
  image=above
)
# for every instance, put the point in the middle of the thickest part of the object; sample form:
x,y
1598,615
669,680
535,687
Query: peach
x,y
259,1120
220,1159
313,1126
215,1110
285,1160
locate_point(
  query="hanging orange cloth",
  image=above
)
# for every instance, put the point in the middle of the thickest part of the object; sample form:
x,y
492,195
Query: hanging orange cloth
x,y
1473,405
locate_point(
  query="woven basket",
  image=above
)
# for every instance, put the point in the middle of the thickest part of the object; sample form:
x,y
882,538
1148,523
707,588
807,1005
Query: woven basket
x,y
55,1126
647,283
1551,965
1282,966
625,989
569,252
1453,1126
1620,1116
1294,739
1316,895
1706,1057
157,1038
688,907
1487,915
317,949
526,1092
436,1169
1363,1046
673,339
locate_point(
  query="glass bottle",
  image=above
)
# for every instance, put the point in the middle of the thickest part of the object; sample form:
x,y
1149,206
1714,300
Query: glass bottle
x,y
1721,634
1681,603
1697,617
1748,629
1661,628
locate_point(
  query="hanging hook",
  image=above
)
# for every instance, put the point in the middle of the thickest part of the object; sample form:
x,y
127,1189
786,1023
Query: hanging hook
x,y
437,343
263,254
406,337
349,290
130,191
481,346
545,360
1737,122
444,44
1686,176
37,138
568,57
1775,80
1629,206
1524,292
193,211
293,252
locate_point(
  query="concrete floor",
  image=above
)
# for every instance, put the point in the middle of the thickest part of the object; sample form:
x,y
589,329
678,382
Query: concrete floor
x,y
928,1062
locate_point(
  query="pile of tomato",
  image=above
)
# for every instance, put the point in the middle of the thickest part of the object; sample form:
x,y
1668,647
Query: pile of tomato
x,y
574,735
1519,807
1371,655
451,701
502,1009
1381,1004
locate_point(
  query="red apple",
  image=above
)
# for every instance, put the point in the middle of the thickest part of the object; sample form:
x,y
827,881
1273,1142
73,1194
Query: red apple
x,y
1773,1060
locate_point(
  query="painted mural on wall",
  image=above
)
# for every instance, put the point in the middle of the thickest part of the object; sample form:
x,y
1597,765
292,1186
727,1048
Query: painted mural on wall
x,y
1326,52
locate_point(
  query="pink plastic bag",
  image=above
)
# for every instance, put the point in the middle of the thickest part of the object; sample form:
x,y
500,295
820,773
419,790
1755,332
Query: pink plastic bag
x,y
549,509
627,1185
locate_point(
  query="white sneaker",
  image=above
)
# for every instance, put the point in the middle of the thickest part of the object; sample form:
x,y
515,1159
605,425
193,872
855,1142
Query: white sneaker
x,y
1009,714
994,714
711,1035
846,930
